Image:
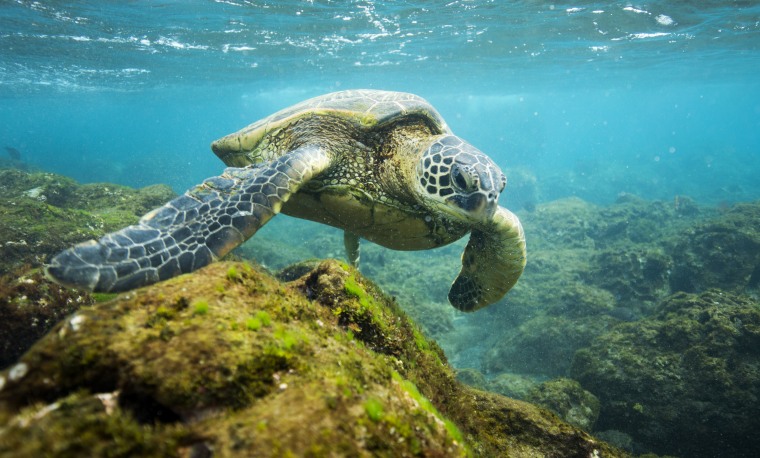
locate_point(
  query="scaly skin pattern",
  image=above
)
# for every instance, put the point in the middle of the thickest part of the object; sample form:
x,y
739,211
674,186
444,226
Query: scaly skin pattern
x,y
190,231
492,261
381,165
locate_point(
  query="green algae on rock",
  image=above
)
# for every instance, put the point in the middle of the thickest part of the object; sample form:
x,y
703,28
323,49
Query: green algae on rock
x,y
42,213
683,381
545,344
723,252
569,400
332,368
515,386
30,305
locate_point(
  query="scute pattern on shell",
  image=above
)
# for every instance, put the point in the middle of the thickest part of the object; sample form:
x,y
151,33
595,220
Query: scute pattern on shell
x,y
369,109
380,165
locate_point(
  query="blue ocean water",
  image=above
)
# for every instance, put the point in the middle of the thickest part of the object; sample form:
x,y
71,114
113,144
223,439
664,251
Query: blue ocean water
x,y
593,98
589,99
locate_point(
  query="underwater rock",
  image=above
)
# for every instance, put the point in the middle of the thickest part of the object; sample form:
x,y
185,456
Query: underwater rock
x,y
569,400
683,381
228,361
563,224
419,280
721,253
42,213
472,377
619,439
634,222
590,267
515,386
29,307
544,345
637,278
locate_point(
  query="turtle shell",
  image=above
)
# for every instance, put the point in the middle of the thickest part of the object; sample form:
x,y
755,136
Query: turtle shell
x,y
363,109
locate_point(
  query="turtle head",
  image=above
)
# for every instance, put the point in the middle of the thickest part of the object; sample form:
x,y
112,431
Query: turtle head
x,y
459,179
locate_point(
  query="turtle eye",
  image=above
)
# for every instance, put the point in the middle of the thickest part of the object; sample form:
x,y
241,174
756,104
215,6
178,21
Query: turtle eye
x,y
461,178
503,183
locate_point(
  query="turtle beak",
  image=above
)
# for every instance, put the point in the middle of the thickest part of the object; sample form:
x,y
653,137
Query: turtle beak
x,y
479,206
481,203
487,204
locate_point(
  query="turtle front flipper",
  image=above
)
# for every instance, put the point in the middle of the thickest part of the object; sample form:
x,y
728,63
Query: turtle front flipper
x,y
491,263
190,231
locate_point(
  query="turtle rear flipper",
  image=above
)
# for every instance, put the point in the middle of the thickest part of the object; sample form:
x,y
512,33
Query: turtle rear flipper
x,y
190,231
491,263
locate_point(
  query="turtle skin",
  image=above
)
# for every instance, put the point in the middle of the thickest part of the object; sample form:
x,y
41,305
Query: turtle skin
x,y
382,166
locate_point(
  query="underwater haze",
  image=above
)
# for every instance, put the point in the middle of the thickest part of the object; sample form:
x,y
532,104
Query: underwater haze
x,y
629,133
593,98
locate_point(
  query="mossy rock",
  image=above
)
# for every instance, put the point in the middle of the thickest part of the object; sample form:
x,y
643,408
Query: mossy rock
x,y
638,278
632,220
569,400
721,253
44,187
30,306
545,345
683,381
473,378
563,223
43,213
516,386
419,280
230,360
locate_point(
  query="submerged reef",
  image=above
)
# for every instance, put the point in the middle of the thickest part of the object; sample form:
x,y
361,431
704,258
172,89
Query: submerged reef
x,y
723,253
636,321
41,214
684,381
590,269
30,306
603,288
569,400
229,361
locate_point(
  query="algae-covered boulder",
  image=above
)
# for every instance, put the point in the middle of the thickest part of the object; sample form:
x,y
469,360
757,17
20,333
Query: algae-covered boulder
x,y
544,345
721,253
29,306
684,381
637,278
569,400
43,213
228,361
418,279
515,386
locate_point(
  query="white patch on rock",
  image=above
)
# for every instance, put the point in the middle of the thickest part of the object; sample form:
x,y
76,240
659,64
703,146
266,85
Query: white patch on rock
x,y
76,322
18,372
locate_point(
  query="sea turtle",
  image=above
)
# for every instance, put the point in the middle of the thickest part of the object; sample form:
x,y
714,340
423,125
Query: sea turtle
x,y
382,166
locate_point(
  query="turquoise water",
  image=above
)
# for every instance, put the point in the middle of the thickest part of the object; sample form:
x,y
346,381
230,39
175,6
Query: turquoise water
x,y
594,98
587,99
